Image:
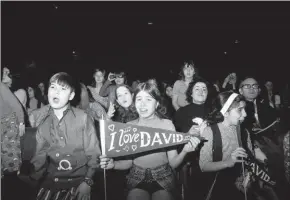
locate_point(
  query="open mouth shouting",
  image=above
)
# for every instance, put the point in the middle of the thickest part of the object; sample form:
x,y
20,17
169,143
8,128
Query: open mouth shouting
x,y
143,111
55,100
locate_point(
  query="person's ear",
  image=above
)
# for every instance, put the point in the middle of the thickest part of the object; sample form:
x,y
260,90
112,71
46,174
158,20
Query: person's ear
x,y
157,104
118,101
240,91
72,95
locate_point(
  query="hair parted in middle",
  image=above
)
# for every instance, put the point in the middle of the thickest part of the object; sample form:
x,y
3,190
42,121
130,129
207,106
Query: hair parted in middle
x,y
151,87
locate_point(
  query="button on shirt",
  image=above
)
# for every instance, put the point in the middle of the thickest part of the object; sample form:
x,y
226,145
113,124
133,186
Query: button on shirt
x,y
72,138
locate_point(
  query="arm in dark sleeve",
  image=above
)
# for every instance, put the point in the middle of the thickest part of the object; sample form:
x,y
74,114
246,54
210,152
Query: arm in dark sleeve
x,y
12,100
104,91
176,121
112,94
91,146
39,158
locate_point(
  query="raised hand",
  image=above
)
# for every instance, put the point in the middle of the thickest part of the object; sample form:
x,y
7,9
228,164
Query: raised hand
x,y
111,110
111,76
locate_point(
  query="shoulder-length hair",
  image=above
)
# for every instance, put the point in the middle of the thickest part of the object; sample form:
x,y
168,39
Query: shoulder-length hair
x,y
37,94
151,87
95,71
186,63
125,115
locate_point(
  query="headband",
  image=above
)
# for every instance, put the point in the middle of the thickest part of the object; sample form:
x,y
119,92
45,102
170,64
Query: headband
x,y
228,103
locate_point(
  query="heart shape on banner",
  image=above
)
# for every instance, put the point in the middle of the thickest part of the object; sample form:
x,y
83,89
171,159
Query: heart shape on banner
x,y
111,127
134,147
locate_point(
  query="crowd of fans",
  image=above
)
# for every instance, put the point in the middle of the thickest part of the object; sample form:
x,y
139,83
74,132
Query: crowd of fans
x,y
240,121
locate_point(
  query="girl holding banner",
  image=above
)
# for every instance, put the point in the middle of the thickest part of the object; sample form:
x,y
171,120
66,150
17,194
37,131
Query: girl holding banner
x,y
151,173
226,149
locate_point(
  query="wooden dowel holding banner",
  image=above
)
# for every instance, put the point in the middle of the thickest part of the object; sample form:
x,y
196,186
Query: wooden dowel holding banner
x,y
243,164
103,148
102,135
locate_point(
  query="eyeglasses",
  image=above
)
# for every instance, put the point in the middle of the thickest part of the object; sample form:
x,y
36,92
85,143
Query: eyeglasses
x,y
249,86
120,76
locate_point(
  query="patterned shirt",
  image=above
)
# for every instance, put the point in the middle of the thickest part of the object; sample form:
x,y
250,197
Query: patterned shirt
x,y
287,155
11,114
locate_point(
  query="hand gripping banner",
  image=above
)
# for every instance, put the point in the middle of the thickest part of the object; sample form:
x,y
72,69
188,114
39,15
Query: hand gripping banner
x,y
259,171
118,139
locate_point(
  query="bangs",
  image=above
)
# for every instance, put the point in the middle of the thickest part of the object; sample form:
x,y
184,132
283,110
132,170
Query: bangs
x,y
151,88
62,79
120,74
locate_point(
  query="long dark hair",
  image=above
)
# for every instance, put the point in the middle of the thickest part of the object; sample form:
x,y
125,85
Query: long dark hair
x,y
37,94
95,71
125,115
191,63
151,87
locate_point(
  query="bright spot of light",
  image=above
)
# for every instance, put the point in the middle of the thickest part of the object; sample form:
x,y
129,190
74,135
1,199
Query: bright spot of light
x,y
150,23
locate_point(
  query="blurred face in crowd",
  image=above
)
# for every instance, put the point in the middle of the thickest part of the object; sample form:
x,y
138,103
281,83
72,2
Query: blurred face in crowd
x,y
199,93
6,77
233,78
269,85
30,91
188,71
120,79
41,87
99,77
124,96
169,91
249,89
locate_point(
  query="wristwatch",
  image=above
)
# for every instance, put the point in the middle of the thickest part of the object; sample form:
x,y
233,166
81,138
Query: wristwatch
x,y
89,181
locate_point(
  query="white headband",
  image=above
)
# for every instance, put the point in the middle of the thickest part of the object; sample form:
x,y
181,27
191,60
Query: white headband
x,y
228,103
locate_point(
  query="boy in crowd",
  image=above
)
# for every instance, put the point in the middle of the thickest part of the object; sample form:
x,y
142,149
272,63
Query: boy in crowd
x,y
67,145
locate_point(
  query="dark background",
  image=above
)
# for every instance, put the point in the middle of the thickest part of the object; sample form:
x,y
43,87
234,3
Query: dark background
x,y
117,36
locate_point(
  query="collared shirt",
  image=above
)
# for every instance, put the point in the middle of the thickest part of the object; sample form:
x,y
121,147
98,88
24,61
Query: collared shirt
x,y
71,144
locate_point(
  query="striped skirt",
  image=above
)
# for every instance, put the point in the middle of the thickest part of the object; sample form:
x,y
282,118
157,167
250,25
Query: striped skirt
x,y
64,194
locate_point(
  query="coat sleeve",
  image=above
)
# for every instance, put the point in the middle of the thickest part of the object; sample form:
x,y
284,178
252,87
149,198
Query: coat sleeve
x,y
91,146
40,156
